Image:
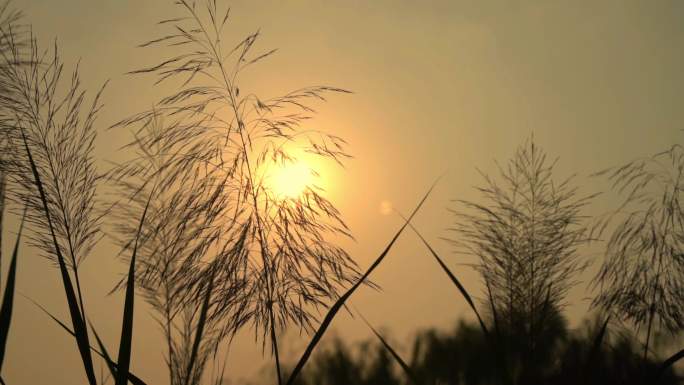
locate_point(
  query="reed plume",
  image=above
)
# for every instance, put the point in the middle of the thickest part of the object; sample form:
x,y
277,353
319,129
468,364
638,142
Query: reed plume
x,y
641,278
276,250
48,129
526,235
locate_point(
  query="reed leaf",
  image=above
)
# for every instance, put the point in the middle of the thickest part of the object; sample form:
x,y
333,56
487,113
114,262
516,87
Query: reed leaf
x,y
124,360
200,327
669,362
105,353
113,367
404,366
8,297
135,380
80,331
341,301
453,279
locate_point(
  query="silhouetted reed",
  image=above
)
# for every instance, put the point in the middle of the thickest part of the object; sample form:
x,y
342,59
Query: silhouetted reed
x,y
49,134
275,249
185,240
525,233
214,249
641,280
12,37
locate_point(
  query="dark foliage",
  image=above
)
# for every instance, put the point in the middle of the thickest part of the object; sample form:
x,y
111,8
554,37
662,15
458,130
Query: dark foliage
x,y
463,356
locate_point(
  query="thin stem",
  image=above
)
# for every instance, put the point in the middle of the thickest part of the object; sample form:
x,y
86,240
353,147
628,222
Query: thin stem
x,y
648,331
263,244
652,312
169,342
2,214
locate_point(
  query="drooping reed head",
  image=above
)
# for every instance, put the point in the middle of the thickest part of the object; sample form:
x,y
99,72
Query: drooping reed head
x,y
642,276
46,110
206,164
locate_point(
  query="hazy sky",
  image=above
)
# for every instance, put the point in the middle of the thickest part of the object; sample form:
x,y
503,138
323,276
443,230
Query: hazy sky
x,y
439,86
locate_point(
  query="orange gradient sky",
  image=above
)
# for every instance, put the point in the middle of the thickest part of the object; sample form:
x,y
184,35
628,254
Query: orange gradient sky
x,y
440,87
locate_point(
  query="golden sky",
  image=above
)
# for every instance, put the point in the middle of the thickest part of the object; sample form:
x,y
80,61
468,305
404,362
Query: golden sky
x,y
439,87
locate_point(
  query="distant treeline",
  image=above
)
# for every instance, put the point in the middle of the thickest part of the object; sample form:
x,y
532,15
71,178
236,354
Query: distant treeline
x,y
462,356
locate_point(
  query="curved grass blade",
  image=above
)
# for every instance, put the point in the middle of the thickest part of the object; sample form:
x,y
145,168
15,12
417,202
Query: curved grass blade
x,y
125,345
77,319
340,301
397,357
669,362
200,327
104,354
113,367
8,297
453,278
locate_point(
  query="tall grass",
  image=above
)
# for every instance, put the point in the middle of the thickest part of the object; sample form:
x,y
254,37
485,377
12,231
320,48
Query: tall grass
x,y
8,299
335,308
274,262
180,243
12,37
50,167
526,233
213,249
48,134
642,278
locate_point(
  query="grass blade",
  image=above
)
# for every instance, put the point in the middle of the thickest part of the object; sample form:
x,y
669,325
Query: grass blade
x,y
200,328
62,324
397,357
113,367
125,345
599,339
340,302
453,279
669,362
104,354
77,319
8,297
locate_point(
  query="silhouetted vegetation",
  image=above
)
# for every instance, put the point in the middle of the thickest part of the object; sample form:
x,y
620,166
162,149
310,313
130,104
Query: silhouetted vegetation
x,y
213,249
462,356
642,278
525,232
204,156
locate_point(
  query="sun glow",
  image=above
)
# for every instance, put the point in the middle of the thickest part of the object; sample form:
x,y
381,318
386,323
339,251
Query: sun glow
x,y
289,181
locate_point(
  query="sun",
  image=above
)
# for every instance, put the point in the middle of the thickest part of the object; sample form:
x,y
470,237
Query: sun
x,y
288,181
